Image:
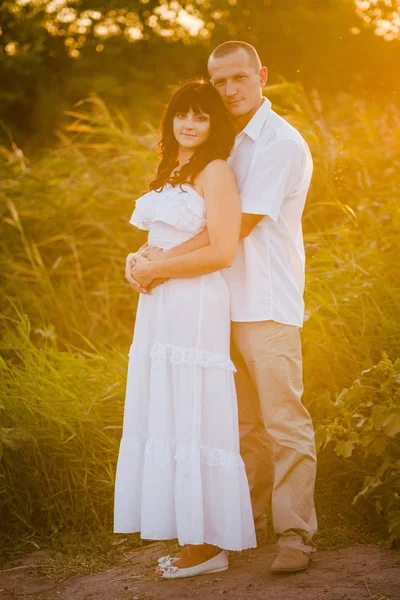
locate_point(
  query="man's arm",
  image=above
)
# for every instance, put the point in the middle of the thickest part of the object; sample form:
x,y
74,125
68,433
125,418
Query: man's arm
x,y
277,174
274,174
195,243
202,239
248,224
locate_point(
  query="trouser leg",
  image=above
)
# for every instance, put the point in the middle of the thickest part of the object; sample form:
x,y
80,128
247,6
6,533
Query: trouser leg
x,y
256,446
272,352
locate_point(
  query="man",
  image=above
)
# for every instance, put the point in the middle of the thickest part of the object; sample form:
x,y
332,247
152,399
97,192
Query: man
x,y
273,168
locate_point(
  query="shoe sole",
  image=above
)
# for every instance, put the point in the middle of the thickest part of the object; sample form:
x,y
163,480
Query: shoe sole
x,y
218,570
278,571
215,570
195,574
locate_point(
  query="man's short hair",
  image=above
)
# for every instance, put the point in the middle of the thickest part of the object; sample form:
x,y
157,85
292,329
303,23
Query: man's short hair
x,y
230,47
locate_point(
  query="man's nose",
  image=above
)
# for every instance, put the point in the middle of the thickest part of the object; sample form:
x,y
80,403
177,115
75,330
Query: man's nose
x,y
230,89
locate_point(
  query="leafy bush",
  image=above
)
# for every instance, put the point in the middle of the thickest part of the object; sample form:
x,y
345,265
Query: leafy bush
x,y
363,424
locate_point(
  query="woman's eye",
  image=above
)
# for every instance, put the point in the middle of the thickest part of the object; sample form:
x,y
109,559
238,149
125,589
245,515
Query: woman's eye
x,y
201,118
180,115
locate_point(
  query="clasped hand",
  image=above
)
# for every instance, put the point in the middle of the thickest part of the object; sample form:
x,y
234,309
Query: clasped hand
x,y
138,271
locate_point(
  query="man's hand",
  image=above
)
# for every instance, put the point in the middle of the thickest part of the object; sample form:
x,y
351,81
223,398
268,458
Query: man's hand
x,y
129,265
154,253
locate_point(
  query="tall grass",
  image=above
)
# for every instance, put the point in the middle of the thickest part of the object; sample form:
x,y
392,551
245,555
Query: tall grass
x,y
68,314
60,430
64,230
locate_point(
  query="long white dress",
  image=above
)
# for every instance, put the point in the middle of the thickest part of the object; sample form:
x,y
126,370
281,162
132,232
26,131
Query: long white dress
x,y
179,472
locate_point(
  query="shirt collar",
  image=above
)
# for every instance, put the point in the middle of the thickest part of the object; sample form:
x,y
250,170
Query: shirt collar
x,y
255,125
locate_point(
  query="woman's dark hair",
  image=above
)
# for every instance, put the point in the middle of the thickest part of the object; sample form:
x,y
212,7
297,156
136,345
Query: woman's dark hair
x,y
202,98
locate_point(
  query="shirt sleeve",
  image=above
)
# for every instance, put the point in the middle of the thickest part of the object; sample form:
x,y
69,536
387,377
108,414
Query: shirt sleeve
x,y
277,173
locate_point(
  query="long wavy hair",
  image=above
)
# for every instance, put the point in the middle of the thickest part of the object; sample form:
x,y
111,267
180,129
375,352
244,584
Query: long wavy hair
x,y
201,97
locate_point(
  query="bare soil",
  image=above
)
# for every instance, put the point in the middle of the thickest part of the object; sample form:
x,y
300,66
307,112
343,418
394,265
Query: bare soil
x,y
350,573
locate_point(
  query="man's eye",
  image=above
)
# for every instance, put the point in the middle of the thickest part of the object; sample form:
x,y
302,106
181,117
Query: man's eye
x,y
240,77
219,83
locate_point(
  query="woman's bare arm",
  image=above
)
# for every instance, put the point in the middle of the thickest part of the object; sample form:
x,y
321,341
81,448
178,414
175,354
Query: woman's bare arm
x,y
223,230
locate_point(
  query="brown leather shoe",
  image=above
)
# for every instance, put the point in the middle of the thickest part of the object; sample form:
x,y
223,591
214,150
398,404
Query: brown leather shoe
x,y
290,560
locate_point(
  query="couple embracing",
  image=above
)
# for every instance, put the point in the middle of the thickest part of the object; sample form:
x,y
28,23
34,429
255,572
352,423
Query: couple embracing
x,y
214,427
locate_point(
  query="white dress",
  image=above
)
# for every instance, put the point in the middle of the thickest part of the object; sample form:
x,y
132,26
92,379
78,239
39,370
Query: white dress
x,y
179,472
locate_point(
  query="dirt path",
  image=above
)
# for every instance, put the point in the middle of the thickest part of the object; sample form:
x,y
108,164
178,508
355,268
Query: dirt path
x,y
353,573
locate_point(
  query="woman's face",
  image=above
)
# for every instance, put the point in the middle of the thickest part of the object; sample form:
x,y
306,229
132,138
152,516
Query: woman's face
x,y
191,129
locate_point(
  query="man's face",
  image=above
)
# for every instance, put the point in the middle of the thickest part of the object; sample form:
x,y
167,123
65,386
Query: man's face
x,y
237,82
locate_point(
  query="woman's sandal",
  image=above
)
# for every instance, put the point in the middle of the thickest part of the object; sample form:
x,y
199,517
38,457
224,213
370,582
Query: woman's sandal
x,y
214,565
167,560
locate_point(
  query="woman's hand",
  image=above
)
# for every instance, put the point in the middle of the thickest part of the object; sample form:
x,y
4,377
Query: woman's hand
x,y
129,265
155,253
142,271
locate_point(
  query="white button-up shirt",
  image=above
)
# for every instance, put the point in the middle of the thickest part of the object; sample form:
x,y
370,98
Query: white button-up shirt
x,y
273,168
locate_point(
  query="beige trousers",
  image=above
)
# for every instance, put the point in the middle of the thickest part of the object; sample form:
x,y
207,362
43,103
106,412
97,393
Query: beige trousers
x,y
276,431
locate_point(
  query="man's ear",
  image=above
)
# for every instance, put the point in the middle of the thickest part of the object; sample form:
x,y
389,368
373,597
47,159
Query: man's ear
x,y
263,76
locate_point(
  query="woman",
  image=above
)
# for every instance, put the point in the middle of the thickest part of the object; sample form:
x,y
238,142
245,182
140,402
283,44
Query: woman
x,y
179,473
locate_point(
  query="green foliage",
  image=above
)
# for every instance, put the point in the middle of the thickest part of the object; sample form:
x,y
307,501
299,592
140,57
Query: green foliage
x,y
68,313
54,53
57,468
363,424
64,234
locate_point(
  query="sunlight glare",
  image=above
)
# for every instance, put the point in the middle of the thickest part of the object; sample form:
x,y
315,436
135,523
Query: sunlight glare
x,y
386,22
191,23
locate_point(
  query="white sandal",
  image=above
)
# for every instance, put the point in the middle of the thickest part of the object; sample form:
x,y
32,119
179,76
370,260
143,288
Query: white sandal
x,y
167,559
214,565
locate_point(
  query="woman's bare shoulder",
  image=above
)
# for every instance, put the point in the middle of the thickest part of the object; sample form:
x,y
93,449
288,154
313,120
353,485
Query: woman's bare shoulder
x,y
217,173
217,168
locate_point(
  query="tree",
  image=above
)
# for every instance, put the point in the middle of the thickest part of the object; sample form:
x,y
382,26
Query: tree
x,y
42,40
55,52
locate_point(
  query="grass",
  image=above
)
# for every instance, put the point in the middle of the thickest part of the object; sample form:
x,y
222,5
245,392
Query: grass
x,y
68,408
70,555
67,314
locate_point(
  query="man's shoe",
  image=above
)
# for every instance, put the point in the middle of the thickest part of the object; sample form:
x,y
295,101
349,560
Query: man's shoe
x,y
290,560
